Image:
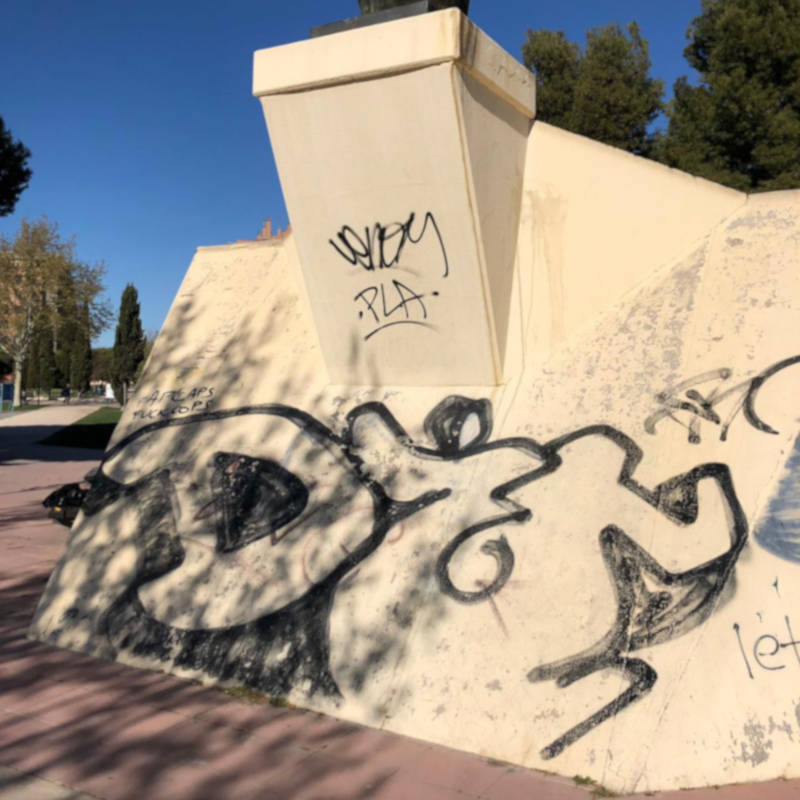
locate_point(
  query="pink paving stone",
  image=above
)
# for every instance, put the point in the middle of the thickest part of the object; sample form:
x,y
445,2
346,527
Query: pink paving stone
x,y
323,776
24,657
290,725
400,788
15,685
373,749
32,699
455,770
520,784
18,731
100,707
75,752
773,790
318,732
340,781
200,760
182,697
249,717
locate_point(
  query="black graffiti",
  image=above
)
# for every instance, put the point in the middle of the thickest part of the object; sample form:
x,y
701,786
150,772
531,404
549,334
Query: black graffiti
x,y
181,395
675,603
686,397
254,498
172,411
382,246
185,401
410,305
766,653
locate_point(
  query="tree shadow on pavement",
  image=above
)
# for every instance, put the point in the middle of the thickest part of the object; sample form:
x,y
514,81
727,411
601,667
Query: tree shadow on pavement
x,y
21,444
118,732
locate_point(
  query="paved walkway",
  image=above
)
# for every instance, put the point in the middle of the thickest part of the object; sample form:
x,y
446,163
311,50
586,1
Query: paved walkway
x,y
76,727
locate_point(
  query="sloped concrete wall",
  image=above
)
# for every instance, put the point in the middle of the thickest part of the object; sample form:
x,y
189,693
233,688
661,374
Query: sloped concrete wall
x,y
597,221
591,569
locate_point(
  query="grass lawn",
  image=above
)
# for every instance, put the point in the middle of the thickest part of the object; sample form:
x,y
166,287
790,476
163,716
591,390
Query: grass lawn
x,y
93,430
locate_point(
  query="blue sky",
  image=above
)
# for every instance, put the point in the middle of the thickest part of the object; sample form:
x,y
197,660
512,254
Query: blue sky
x,y
146,142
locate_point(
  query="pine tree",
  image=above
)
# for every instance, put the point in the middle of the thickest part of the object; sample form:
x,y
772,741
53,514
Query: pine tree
x,y
14,170
128,343
556,62
605,92
741,125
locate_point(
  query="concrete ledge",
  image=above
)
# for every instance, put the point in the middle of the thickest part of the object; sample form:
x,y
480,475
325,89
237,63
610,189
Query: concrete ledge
x,y
393,47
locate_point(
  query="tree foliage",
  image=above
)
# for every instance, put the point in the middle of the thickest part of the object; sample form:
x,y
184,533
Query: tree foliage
x,y
80,349
129,342
48,297
14,170
556,62
604,92
102,364
741,125
40,363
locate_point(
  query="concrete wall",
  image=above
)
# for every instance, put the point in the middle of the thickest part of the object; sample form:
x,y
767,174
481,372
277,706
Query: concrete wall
x,y
586,564
597,221
591,569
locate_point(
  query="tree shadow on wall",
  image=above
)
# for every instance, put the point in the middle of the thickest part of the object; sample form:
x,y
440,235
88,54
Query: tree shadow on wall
x,y
232,530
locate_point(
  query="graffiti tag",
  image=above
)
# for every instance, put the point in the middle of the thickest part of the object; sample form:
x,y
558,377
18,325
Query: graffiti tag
x,y
385,303
174,403
768,652
704,406
253,498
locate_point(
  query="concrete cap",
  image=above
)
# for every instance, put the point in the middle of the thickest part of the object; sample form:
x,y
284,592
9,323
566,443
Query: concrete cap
x,y
393,47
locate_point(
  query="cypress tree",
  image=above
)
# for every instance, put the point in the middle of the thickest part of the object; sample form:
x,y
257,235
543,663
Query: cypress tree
x,y
128,342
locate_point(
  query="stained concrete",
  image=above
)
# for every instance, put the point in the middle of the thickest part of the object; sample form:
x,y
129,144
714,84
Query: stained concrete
x,y
557,570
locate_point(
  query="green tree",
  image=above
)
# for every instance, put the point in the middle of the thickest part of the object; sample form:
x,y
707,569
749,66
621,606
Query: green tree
x,y
149,340
30,268
556,62
604,92
46,369
102,364
14,170
43,287
129,344
81,354
741,125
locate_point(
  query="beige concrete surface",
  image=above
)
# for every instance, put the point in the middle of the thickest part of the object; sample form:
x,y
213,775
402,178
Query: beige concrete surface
x,y
406,235
380,50
426,628
597,222
589,568
74,728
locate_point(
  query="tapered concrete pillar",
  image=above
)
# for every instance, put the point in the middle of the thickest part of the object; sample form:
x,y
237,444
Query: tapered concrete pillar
x,y
400,148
